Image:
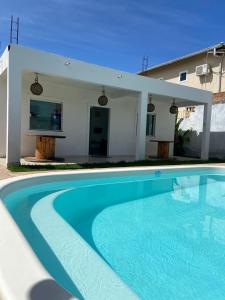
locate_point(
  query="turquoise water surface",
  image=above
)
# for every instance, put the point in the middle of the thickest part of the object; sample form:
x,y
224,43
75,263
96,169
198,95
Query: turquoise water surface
x,y
163,234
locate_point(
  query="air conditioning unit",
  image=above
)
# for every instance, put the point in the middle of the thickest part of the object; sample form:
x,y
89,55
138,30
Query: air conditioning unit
x,y
202,70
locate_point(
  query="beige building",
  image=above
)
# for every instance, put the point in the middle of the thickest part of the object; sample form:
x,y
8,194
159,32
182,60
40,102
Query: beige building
x,y
204,69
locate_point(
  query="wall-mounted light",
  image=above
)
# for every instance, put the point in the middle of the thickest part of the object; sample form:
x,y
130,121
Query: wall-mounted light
x,y
67,63
173,108
103,100
151,106
36,88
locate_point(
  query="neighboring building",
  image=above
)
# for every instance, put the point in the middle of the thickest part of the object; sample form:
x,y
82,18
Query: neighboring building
x,y
69,107
205,70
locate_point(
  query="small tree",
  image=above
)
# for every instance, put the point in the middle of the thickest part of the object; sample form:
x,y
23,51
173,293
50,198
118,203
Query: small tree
x,y
182,137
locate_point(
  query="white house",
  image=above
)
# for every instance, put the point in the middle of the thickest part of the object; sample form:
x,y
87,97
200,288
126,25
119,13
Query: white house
x,y
68,106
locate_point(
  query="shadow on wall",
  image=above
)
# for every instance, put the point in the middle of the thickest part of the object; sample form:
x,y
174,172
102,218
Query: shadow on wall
x,y
49,290
216,147
206,79
193,147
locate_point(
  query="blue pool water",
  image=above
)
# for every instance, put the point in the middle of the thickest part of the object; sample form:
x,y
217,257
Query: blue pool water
x,y
161,235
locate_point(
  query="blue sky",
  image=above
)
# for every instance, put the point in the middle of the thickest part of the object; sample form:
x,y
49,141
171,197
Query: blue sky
x,y
116,33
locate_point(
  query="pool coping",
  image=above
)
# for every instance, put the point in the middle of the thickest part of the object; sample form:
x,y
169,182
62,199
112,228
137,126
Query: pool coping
x,y
20,270
93,277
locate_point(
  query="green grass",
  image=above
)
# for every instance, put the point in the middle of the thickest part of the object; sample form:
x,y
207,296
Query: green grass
x,y
143,163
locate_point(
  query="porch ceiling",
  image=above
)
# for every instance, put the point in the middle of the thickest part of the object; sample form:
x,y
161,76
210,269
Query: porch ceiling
x,y
72,69
110,91
179,102
94,76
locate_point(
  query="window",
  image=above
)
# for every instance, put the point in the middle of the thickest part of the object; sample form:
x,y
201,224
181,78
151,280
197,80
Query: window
x,y
190,108
183,76
45,115
150,125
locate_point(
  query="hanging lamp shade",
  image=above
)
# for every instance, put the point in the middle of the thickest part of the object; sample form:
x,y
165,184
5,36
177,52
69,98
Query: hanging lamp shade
x,y
173,108
103,100
36,88
151,106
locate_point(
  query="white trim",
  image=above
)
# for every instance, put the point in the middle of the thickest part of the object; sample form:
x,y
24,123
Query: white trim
x,y
88,129
152,114
109,131
181,72
49,101
45,99
109,126
95,104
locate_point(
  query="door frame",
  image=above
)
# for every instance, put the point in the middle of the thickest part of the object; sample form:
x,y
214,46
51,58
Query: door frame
x,y
88,127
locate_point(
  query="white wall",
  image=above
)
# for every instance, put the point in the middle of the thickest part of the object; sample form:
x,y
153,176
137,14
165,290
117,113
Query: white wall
x,y
217,131
164,131
3,104
76,106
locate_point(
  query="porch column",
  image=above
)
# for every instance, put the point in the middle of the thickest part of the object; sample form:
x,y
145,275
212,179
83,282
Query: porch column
x,y
141,125
13,117
206,131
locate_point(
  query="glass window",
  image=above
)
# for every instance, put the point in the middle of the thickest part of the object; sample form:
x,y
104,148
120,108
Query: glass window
x,y
45,115
183,76
150,125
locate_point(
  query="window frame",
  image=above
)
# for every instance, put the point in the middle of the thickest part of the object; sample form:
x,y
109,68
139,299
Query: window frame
x,y
181,72
150,135
54,101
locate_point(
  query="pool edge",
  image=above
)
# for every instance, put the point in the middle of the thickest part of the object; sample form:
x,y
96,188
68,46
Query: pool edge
x,y
20,258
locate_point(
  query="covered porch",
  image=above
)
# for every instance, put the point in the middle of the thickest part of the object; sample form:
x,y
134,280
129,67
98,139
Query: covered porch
x,y
69,108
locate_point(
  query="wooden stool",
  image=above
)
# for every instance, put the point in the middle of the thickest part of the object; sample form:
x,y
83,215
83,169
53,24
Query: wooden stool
x,y
163,148
45,147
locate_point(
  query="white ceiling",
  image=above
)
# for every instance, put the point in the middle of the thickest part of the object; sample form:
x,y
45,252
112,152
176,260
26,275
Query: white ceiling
x,y
111,91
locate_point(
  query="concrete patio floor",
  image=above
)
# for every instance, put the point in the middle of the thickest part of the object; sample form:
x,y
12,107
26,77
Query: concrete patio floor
x,y
5,173
76,160
85,159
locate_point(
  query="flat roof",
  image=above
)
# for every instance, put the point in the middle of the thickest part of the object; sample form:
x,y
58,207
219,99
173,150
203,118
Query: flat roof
x,y
64,68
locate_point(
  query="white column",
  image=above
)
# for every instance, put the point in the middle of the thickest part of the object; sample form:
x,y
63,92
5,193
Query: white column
x,y
206,131
3,94
141,125
13,118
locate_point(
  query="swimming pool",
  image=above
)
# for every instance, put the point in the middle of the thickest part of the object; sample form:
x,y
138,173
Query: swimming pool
x,y
143,234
